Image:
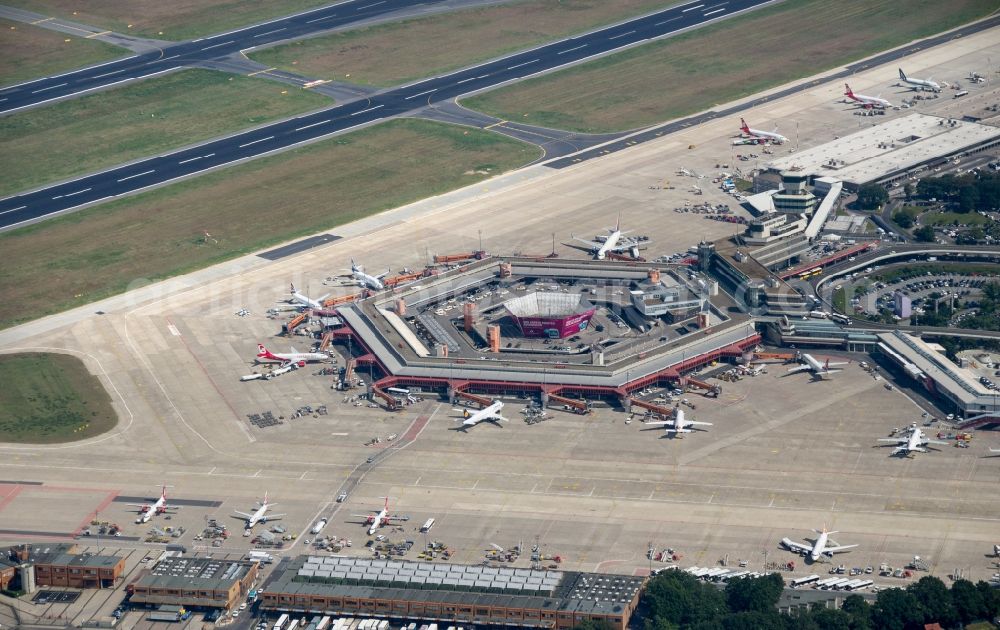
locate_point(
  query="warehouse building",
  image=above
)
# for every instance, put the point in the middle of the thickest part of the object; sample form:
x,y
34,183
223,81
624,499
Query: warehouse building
x,y
195,582
885,153
466,594
63,565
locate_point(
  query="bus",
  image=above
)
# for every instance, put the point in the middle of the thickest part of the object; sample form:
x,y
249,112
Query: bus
x,y
841,319
428,524
803,581
280,623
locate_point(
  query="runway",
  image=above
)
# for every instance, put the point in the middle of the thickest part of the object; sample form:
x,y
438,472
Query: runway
x,y
30,207
183,54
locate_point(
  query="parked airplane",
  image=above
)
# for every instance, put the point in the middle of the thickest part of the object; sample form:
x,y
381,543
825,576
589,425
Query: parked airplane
x,y
381,518
918,84
260,514
819,370
364,280
677,424
866,101
818,548
148,511
263,354
975,77
914,442
306,301
614,242
488,414
760,137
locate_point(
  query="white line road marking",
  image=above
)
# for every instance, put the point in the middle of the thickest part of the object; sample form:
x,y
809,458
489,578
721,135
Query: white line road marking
x,y
665,21
466,80
57,197
217,45
51,87
2,100
368,6
14,209
256,141
713,12
716,6
166,58
322,122
366,110
421,94
77,192
173,330
200,157
137,175
622,35
277,30
321,19
108,74
697,6
563,52
522,64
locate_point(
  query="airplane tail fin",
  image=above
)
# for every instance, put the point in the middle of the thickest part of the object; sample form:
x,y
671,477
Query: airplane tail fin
x,y
744,127
849,93
901,75
261,350
618,223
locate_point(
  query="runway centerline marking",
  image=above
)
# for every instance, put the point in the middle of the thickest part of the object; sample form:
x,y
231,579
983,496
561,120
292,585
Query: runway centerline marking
x,y
51,87
200,157
217,45
277,30
256,141
77,192
525,63
713,12
14,209
622,35
368,6
166,58
697,6
137,175
260,71
108,74
563,52
366,110
665,21
321,19
421,94
97,34
322,122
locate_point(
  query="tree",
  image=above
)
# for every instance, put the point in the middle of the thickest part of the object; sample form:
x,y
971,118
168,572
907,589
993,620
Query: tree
x,y
903,219
859,611
909,190
968,199
830,619
754,594
924,234
676,598
590,624
754,620
896,609
935,600
968,602
872,197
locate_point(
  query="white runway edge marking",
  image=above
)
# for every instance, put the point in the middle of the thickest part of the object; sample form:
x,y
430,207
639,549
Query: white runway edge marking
x,y
622,35
368,6
277,30
523,64
322,122
108,74
563,52
713,12
321,18
137,175
366,110
173,330
14,209
51,87
224,43
421,94
256,141
697,6
77,192
200,157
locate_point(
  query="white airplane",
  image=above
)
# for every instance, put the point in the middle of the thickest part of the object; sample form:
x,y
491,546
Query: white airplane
x,y
614,242
488,414
365,280
818,548
975,77
866,101
260,514
819,370
756,136
374,520
148,511
918,84
263,354
305,301
914,442
677,424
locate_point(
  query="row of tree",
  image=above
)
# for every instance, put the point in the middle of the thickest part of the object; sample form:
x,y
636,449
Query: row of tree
x,y
675,600
969,192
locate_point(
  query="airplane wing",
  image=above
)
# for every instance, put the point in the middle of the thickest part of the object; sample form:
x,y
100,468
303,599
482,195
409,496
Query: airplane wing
x,y
703,424
273,517
894,440
801,368
935,442
139,505
658,423
838,548
383,274
794,546
242,514
838,363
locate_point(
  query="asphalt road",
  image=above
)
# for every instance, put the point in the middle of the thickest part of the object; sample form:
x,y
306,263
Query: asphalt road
x,y
126,179
182,54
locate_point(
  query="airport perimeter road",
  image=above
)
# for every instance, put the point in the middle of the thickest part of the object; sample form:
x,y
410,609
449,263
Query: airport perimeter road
x,y
188,53
143,174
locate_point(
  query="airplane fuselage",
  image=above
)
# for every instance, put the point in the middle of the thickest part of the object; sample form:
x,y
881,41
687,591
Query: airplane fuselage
x,y
306,301
817,549
378,521
152,510
609,244
484,414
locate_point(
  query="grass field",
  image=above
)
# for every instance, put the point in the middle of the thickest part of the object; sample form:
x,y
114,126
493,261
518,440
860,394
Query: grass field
x,y
97,252
50,398
176,19
722,62
397,53
30,52
108,128
953,218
